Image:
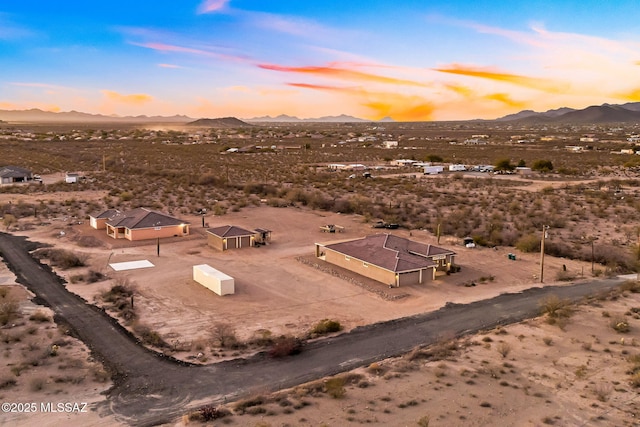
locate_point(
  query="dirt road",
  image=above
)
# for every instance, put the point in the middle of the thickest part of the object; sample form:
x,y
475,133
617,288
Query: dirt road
x,y
151,388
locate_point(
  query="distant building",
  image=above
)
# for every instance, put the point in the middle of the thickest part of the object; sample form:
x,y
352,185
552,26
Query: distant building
x,y
13,174
389,144
71,177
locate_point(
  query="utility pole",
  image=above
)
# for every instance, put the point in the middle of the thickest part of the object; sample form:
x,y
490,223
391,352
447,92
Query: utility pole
x,y
438,233
592,256
544,236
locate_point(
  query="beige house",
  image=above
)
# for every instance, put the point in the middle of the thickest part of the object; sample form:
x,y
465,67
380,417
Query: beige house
x,y
99,220
233,237
388,259
139,224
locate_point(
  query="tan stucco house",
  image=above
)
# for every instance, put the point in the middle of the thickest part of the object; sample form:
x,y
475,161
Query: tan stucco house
x,y
389,259
139,224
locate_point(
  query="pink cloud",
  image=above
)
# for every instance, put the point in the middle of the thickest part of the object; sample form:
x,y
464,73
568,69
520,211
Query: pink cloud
x,y
164,47
209,6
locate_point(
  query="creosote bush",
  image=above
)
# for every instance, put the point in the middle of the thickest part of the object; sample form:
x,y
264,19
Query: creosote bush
x,y
62,258
557,310
335,387
285,345
326,326
9,310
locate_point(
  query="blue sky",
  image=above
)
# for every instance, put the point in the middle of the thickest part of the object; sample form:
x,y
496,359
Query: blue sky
x,y
411,60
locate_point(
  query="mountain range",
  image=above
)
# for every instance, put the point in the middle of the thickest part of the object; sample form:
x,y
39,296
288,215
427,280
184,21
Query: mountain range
x,y
605,113
40,116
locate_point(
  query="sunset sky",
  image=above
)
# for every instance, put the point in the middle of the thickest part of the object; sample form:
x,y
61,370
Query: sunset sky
x,y
409,60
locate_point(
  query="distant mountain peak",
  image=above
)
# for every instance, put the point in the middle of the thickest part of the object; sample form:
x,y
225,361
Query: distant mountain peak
x,y
222,122
342,118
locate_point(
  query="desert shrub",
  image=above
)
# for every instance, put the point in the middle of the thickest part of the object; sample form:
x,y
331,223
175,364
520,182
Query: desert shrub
x,y
285,346
335,387
120,299
631,286
528,243
261,338
243,405
40,317
62,258
602,392
210,413
542,166
504,349
9,310
424,421
7,382
37,384
94,276
224,335
149,336
555,307
326,326
619,324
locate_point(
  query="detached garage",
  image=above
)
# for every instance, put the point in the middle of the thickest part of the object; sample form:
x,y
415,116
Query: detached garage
x,y
213,279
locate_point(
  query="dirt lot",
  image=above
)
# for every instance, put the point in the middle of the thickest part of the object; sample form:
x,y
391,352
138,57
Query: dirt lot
x,y
274,290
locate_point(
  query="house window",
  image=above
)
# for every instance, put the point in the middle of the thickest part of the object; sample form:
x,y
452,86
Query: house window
x,y
127,231
347,258
157,228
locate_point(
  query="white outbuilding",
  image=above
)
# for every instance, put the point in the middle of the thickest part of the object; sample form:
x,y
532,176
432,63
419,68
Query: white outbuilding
x,y
213,279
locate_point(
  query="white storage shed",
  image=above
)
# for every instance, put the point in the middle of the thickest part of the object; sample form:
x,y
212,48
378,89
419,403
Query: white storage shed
x,y
213,279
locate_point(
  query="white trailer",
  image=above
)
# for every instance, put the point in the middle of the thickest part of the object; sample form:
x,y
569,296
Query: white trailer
x,y
433,170
213,279
457,168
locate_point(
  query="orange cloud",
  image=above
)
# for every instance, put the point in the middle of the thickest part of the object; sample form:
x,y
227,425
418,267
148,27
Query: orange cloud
x,y
528,82
459,89
132,99
342,73
505,99
209,6
633,95
384,104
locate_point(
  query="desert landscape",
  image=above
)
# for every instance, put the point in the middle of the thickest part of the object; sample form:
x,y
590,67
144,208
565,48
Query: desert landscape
x,y
553,370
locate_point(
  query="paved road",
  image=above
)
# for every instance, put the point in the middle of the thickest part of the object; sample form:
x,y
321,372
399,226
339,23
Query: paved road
x,y
150,388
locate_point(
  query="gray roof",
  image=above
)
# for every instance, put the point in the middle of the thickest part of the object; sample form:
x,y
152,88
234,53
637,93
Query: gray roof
x,y
391,252
14,172
230,231
109,213
143,218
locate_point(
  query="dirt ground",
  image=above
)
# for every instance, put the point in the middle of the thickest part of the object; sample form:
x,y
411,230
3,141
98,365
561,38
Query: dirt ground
x,y
43,365
528,374
275,291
